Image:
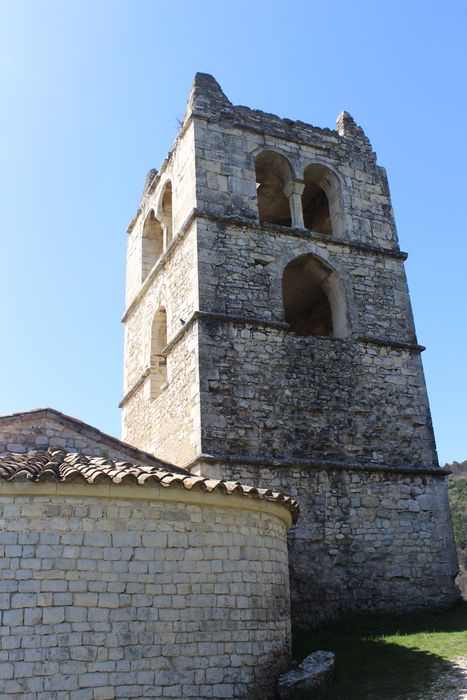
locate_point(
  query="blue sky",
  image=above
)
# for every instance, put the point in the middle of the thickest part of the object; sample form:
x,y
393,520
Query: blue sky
x,y
91,92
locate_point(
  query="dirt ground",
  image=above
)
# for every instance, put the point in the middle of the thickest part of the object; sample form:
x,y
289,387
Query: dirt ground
x,y
450,684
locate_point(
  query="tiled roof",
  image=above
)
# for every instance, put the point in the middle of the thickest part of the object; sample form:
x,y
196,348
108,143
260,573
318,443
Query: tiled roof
x,y
57,465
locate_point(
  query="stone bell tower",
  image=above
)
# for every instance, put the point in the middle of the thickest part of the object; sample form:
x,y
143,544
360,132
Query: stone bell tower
x,y
270,338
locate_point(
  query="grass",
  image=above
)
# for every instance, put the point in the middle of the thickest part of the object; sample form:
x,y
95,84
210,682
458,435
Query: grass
x,y
387,658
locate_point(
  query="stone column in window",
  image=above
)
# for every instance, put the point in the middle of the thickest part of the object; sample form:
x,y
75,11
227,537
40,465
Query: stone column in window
x,y
293,191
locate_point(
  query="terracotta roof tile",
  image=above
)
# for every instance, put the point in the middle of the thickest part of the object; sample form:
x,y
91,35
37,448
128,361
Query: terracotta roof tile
x,y
58,465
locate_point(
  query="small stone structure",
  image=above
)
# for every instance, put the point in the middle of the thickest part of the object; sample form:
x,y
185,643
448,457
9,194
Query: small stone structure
x,y
124,581
315,671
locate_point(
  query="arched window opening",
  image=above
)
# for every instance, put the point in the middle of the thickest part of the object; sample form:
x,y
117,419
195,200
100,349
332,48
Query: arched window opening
x,y
158,362
320,199
273,174
165,213
313,298
152,243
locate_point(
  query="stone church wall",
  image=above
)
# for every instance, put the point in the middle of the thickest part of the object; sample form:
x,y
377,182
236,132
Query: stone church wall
x,y
366,541
253,260
46,428
167,424
110,594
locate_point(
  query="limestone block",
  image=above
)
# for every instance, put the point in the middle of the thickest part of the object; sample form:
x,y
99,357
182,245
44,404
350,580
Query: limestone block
x,y
315,671
105,633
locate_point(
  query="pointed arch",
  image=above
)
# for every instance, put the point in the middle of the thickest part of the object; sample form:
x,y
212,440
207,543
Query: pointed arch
x,y
313,298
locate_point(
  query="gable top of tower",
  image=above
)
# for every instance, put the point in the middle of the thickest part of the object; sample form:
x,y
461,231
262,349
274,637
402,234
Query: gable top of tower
x,y
207,100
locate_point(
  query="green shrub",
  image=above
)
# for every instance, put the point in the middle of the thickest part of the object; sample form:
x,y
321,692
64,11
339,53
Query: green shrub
x,y
457,489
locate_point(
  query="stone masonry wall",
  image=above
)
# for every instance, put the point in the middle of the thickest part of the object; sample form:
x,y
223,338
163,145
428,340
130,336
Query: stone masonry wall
x,y
365,542
47,428
267,392
107,598
174,287
39,434
241,268
168,424
225,263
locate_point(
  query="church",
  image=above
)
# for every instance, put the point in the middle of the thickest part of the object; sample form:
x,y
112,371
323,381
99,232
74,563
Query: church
x,y
277,466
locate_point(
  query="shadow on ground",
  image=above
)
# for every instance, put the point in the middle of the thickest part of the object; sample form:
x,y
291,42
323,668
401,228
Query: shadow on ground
x,y
369,666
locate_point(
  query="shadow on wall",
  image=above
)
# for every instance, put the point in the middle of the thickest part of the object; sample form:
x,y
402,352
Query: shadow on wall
x,y
371,664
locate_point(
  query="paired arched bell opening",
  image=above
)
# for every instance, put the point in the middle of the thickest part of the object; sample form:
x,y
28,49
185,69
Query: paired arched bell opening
x,y
314,299
157,231
312,204
273,176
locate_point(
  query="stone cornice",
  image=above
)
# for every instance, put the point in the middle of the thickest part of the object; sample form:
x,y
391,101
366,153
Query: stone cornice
x,y
127,396
311,464
396,344
260,323
242,222
286,509
278,325
160,264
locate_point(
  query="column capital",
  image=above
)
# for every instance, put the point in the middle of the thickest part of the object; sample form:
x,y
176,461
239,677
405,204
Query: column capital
x,y
294,187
